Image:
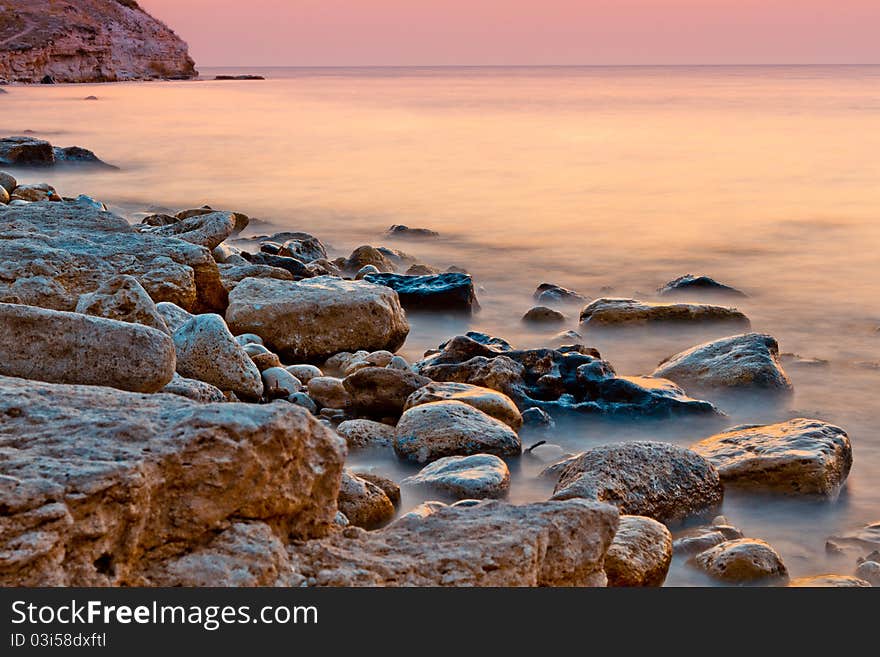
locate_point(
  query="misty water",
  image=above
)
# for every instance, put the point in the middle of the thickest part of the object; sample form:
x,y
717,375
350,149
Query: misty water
x,y
609,181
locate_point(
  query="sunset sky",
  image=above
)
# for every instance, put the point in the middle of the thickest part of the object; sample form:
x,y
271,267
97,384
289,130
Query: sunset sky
x,y
506,32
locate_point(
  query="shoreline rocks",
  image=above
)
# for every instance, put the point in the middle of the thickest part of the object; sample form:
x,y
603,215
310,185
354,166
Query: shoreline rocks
x,y
744,560
640,553
449,292
475,477
24,151
491,402
698,286
614,313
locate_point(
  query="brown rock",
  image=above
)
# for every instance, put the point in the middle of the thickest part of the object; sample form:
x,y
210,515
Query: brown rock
x,y
742,560
363,503
382,392
640,553
605,313
492,402
367,433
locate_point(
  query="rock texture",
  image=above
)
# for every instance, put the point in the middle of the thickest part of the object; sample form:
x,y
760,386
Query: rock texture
x,y
491,402
124,299
490,544
51,253
657,480
829,582
441,292
63,347
608,313
476,477
748,362
640,553
85,503
364,503
742,560
366,433
382,392
315,318
87,41
698,286
797,457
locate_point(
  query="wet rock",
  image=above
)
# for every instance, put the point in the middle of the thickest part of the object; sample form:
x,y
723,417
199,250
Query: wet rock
x,y
279,383
798,457
382,392
304,373
8,182
744,560
700,286
207,351
640,553
296,268
609,313
422,270
52,253
698,539
451,428
4,196
207,230
365,271
545,452
490,544
26,152
124,299
657,480
537,418
551,293
363,503
79,155
391,489
748,362
313,319
479,476
869,571
543,315
88,505
173,315
367,255
64,347
491,402
195,390
405,232
866,538
233,275
447,292
366,433
302,246
828,582
328,391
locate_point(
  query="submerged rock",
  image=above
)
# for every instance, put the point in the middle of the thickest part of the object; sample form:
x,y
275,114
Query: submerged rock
x,y
313,319
608,313
64,347
691,285
491,402
479,476
657,480
26,151
748,362
450,292
88,505
363,503
552,293
798,457
640,553
700,539
451,428
543,315
743,560
401,231
489,544
866,538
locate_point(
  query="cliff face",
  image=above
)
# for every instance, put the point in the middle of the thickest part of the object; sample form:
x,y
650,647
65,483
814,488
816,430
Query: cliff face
x,y
87,41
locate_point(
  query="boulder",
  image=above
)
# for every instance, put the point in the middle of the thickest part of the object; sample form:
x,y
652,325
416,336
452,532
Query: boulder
x,y
79,155
796,457
207,230
490,544
451,428
366,433
196,390
744,560
52,253
294,267
491,402
543,315
312,319
64,347
698,286
658,480
124,299
828,582
87,504
441,292
421,269
640,553
207,351
748,362
26,152
363,503
380,391
611,313
303,247
479,476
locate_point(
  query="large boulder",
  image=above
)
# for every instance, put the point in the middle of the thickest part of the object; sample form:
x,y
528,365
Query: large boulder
x,y
51,253
491,402
312,319
124,299
610,313
451,428
382,391
797,457
490,544
748,362
85,503
64,347
657,480
473,477
450,292
640,553
207,351
744,560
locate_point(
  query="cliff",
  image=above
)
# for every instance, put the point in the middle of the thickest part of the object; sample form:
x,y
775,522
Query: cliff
x,y
87,41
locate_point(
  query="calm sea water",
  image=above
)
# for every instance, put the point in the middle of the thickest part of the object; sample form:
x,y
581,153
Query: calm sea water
x,y
598,179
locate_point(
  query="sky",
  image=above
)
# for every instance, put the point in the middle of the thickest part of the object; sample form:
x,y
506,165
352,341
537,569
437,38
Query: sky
x,y
510,32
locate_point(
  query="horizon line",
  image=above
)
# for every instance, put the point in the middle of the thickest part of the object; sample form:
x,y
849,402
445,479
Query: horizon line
x,y
336,66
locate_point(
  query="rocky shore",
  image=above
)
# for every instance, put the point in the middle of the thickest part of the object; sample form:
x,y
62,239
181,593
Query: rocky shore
x,y
178,405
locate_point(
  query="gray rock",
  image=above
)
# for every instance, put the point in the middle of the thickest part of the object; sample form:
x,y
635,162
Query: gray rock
x,y
195,390
329,392
551,293
302,399
304,373
491,402
698,286
249,338
365,271
657,480
124,299
609,313
797,457
869,571
479,476
366,433
278,382
207,230
173,315
64,347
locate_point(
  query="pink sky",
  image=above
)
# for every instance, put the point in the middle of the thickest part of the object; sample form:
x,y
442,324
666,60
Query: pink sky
x,y
499,32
